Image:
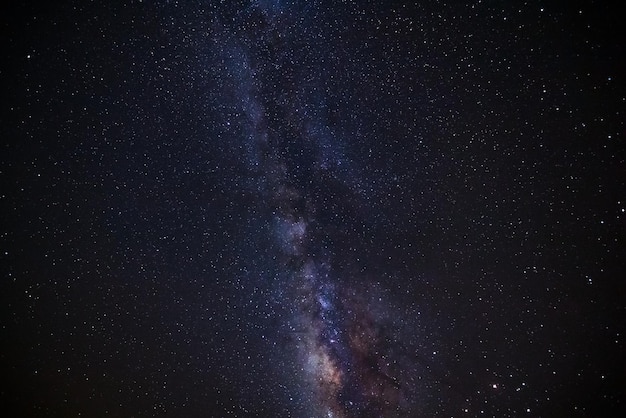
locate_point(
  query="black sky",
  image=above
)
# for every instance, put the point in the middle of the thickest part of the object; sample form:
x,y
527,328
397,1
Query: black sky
x,y
322,208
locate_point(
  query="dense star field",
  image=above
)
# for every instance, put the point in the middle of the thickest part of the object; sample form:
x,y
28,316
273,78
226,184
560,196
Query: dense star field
x,y
313,209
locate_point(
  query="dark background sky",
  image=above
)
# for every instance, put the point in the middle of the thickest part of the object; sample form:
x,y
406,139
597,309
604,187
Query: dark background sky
x,y
460,169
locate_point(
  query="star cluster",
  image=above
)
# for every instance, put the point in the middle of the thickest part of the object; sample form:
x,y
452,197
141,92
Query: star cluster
x,y
342,209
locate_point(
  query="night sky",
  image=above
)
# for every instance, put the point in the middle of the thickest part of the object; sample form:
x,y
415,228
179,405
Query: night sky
x,y
313,209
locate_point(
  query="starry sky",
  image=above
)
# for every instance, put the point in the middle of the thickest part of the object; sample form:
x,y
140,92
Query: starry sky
x,y
269,208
